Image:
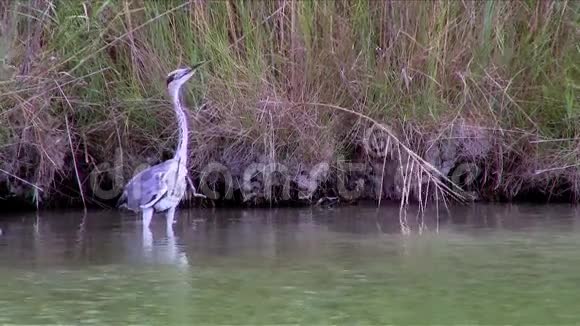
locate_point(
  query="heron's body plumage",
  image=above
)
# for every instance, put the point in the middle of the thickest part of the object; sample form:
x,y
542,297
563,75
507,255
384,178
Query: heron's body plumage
x,y
160,186
176,184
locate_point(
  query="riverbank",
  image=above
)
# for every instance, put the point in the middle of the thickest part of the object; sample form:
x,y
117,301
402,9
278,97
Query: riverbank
x,y
302,102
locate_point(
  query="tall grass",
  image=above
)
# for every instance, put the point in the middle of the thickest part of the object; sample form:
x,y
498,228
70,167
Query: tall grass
x,y
496,79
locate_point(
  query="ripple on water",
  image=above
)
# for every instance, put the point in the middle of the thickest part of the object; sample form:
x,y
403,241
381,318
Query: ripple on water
x,y
328,270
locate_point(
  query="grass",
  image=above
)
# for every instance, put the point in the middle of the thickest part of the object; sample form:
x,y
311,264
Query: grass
x,y
497,80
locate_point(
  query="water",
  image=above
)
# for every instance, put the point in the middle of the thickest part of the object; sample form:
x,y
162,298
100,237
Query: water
x,y
482,264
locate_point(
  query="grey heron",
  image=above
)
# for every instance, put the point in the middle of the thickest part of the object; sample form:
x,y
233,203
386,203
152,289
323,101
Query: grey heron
x,y
161,187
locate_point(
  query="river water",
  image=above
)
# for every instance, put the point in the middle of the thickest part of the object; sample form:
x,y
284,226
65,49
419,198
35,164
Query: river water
x,y
481,264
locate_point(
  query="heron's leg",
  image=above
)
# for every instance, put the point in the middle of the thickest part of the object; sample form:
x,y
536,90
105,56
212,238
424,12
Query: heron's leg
x,y
170,216
170,238
147,240
147,215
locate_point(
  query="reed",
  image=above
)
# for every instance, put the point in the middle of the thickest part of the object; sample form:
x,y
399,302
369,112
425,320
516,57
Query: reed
x,y
493,84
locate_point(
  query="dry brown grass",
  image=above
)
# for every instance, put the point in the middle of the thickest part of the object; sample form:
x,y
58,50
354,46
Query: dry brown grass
x,y
488,84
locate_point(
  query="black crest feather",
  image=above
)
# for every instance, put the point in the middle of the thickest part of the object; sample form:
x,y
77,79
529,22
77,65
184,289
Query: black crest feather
x,y
170,78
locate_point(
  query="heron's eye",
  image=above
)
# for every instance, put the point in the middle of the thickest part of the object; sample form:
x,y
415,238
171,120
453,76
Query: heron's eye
x,y
170,78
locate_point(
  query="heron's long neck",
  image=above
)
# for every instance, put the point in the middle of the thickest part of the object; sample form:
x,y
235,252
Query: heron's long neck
x,y
181,151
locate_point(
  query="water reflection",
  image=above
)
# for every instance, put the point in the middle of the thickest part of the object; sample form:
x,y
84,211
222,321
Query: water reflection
x,y
161,246
106,237
77,238
302,266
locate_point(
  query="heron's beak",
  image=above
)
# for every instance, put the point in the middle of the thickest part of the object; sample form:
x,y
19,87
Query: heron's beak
x,y
199,64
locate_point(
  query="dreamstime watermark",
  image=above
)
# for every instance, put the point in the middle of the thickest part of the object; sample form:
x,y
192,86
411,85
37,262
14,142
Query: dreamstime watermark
x,y
379,143
267,180
216,180
376,141
465,174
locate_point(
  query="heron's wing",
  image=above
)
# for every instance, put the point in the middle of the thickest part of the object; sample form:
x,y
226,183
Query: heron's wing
x,y
147,187
155,196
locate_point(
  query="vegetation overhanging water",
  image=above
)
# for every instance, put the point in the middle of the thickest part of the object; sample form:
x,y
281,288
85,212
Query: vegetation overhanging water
x,y
334,97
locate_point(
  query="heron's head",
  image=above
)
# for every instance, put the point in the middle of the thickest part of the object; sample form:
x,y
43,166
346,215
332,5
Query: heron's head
x,y
178,77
